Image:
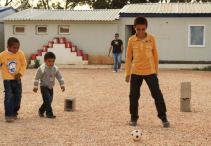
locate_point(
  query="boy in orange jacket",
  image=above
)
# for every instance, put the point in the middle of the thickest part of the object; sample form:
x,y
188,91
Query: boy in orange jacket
x,y
142,64
13,65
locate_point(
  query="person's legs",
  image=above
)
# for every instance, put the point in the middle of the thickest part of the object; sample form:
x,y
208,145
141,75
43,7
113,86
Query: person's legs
x,y
17,90
153,84
135,84
42,108
119,60
51,99
115,57
47,99
8,100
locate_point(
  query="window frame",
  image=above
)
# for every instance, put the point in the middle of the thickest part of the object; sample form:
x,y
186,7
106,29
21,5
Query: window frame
x,y
18,33
41,33
189,36
61,33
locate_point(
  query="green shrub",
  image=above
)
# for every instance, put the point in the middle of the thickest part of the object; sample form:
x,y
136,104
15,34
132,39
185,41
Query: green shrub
x,y
207,68
37,63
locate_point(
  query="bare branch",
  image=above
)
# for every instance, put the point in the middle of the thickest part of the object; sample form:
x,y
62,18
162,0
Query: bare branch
x,y
8,2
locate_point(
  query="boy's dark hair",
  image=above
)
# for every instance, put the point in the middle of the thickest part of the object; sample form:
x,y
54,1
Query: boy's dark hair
x,y
49,55
116,34
12,40
140,20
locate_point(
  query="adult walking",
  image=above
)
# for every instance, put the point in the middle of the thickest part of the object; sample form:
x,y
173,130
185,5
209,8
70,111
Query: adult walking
x,y
117,49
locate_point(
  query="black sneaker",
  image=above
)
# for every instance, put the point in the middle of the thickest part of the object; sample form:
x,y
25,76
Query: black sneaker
x,y
51,116
165,123
41,114
15,117
133,123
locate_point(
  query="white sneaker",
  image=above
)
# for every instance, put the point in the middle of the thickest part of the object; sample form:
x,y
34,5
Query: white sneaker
x,y
114,71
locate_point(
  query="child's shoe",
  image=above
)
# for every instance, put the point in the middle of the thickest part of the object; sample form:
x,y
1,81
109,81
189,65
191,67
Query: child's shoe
x,y
165,123
133,123
15,117
9,119
51,116
41,114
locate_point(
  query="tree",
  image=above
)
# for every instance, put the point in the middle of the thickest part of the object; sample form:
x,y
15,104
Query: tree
x,y
7,2
45,4
118,4
23,4
70,4
57,5
101,4
138,1
39,5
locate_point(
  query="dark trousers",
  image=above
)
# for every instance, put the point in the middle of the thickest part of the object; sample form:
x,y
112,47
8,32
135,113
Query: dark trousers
x,y
153,84
47,96
12,99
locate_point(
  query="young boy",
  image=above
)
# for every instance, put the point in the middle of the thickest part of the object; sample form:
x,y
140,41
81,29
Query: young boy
x,y
142,64
46,75
13,65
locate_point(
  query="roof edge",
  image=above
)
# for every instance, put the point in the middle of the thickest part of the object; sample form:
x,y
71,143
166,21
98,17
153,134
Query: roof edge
x,y
165,14
8,8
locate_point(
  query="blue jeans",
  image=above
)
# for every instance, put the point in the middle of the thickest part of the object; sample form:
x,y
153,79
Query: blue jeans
x,y
117,61
47,95
12,99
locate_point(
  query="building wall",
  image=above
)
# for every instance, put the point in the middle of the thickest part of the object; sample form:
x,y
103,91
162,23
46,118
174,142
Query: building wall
x,y
93,38
2,15
1,37
172,37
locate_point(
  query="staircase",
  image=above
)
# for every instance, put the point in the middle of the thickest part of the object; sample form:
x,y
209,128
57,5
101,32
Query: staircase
x,y
66,53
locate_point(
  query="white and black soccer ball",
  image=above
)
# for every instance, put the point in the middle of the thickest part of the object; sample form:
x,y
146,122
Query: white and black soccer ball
x,y
136,135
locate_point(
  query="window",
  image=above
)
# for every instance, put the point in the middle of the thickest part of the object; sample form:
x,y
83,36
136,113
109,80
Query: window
x,y
196,36
41,29
64,29
18,29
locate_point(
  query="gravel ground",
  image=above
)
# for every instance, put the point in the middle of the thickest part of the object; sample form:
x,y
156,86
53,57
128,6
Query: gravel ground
x,y
101,114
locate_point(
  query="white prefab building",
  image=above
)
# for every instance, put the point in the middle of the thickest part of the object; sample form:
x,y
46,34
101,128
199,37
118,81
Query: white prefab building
x,y
90,30
4,11
182,29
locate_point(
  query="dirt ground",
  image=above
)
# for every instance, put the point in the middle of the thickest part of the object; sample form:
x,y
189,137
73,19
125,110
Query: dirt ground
x,y
102,114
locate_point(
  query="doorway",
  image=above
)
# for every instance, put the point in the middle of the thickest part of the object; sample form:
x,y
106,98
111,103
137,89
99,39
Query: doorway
x,y
129,31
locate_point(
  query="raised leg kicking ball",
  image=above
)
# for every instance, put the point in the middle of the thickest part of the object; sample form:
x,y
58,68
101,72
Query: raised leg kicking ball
x,y
136,135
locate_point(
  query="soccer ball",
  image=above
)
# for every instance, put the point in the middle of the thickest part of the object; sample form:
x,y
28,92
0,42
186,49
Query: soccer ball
x,y
136,135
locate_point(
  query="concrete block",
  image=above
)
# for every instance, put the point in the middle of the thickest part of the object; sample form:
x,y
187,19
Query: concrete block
x,y
186,90
185,99
69,104
185,104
